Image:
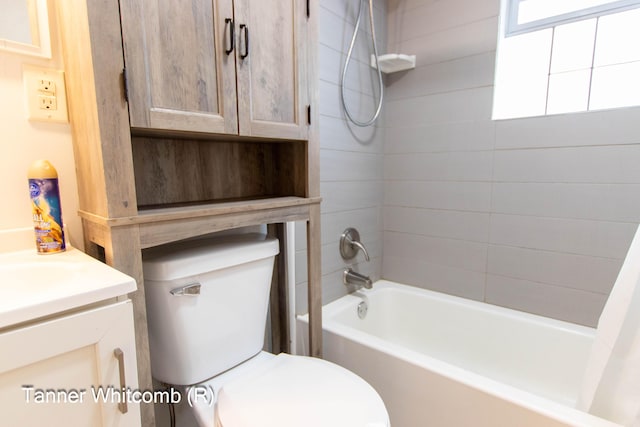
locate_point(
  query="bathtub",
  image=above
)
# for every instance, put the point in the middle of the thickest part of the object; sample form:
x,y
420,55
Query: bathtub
x,y
443,361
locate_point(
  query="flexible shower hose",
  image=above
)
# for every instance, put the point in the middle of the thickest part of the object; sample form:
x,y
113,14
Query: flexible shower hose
x,y
346,65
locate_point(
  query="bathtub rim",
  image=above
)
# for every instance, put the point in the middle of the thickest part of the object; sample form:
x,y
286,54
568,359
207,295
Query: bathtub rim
x,y
552,409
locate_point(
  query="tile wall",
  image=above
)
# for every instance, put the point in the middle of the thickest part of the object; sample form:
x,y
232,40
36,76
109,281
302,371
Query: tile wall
x,y
351,158
534,214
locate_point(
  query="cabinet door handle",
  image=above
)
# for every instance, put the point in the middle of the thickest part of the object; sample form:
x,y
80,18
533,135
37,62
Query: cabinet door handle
x,y
245,29
119,354
232,33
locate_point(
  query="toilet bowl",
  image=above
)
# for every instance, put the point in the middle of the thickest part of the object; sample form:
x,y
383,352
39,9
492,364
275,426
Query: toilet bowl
x,y
207,303
287,390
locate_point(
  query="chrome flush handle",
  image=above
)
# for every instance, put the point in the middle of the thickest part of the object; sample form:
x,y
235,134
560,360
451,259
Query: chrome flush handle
x,y
191,290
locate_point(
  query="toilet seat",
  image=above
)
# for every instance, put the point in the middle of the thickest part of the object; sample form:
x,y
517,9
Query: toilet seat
x,y
294,391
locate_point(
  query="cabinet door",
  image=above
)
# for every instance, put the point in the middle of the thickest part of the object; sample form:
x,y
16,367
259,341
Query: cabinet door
x,y
179,76
69,358
271,59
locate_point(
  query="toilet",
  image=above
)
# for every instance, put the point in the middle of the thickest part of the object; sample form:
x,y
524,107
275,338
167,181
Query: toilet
x,y
207,302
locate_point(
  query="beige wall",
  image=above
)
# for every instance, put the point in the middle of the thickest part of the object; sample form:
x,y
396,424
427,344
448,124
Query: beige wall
x,y
534,214
23,141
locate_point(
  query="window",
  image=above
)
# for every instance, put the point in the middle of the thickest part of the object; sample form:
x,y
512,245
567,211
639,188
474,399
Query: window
x,y
554,58
530,15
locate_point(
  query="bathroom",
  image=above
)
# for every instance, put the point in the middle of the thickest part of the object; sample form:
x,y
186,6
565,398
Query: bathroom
x,y
534,214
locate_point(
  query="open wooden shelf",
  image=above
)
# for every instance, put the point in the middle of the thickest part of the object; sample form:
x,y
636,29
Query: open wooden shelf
x,y
168,224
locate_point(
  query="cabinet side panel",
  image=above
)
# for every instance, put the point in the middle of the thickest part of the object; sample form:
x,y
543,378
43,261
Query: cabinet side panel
x,y
313,94
92,47
290,169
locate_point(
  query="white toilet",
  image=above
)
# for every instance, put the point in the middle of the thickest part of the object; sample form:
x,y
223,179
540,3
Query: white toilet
x,y
207,306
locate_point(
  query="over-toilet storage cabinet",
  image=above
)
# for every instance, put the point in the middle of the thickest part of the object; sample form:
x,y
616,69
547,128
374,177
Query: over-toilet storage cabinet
x,y
222,66
92,348
161,152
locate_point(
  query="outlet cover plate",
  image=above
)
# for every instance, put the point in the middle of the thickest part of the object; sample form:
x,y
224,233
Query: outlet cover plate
x,y
45,83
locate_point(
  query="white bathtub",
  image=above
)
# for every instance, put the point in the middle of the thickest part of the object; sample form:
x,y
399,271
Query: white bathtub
x,y
439,360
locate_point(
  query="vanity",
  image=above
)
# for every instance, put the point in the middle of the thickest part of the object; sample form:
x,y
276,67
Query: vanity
x,y
68,342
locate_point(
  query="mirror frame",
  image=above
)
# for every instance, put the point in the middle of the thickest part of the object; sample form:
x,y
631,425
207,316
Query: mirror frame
x,y
39,22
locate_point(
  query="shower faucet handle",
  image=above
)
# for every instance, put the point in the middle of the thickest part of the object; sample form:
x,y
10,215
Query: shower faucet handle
x,y
350,244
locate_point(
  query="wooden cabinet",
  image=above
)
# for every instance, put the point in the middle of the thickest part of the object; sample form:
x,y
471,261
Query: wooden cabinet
x,y
217,66
63,371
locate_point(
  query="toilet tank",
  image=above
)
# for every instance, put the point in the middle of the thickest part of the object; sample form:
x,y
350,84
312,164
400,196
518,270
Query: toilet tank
x,y
197,332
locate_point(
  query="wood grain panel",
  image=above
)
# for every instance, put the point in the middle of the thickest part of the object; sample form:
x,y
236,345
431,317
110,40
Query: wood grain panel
x,y
171,171
178,74
279,296
314,277
158,233
190,72
271,60
271,79
94,87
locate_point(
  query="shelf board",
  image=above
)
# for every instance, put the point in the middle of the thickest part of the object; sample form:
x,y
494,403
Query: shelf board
x,y
167,224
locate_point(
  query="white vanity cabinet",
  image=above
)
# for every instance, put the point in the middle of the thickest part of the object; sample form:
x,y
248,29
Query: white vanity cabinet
x,y
67,342
71,370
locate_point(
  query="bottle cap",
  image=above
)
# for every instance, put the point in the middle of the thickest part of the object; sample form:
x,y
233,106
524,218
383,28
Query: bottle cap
x,y
42,169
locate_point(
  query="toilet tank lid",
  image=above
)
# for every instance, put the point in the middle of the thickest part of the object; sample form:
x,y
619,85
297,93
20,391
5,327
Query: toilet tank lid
x,y
204,255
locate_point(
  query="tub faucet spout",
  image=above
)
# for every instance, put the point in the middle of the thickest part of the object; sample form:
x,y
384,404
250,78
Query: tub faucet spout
x,y
350,277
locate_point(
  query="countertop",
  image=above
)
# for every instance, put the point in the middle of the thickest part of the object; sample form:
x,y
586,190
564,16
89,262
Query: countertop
x,y
34,286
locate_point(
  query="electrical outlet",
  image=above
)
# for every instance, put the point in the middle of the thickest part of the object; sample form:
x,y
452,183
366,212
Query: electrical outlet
x,y
45,94
47,102
47,86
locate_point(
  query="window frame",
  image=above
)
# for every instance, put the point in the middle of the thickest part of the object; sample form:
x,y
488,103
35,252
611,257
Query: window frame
x,y
512,27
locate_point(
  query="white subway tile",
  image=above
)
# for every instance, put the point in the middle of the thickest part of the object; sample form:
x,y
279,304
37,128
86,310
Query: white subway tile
x,y
441,278
349,195
472,226
463,136
571,305
301,295
472,39
452,166
595,164
332,260
336,33
350,166
435,250
583,237
465,73
606,202
339,134
345,9
329,64
367,221
360,105
451,107
301,235
608,127
586,273
406,22
464,196
360,76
